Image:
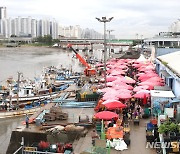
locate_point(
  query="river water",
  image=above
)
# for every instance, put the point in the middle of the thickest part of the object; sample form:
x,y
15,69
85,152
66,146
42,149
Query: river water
x,y
30,61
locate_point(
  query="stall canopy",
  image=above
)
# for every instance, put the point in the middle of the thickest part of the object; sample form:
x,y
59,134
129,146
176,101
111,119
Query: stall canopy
x,y
160,93
106,115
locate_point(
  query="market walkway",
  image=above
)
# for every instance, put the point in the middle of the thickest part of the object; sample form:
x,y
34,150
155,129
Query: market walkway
x,y
137,146
138,140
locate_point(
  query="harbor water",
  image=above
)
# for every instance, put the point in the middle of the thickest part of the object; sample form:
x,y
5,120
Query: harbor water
x,y
31,60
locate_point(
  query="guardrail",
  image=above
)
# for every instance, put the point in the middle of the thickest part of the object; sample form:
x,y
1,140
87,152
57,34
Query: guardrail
x,y
30,150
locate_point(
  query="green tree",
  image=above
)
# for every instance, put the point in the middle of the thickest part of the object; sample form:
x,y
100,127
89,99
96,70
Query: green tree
x,y
48,39
40,39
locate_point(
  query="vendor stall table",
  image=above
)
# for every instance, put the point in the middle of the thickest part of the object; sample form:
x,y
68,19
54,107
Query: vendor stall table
x,y
114,132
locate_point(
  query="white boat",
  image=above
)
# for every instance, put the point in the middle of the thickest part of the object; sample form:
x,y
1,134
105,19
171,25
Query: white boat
x,y
33,98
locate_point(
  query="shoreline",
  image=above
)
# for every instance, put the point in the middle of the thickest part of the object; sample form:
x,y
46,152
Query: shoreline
x,y
27,46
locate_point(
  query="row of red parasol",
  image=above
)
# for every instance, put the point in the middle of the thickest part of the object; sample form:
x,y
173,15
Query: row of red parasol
x,y
119,85
110,105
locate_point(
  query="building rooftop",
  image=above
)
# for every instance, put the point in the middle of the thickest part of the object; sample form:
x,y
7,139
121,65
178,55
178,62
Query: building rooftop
x,y
172,61
162,38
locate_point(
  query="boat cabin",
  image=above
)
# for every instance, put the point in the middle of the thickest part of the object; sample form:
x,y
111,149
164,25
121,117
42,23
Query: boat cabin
x,y
26,91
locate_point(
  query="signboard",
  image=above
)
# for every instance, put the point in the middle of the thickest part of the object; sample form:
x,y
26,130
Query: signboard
x,y
169,112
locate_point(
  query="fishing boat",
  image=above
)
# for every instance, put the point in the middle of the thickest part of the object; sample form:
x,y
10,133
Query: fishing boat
x,y
47,86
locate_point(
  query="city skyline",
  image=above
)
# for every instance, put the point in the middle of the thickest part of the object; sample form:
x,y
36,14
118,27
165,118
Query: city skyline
x,y
145,18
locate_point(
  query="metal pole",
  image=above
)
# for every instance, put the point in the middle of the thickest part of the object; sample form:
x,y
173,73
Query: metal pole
x,y
104,20
141,41
109,43
109,31
18,89
105,52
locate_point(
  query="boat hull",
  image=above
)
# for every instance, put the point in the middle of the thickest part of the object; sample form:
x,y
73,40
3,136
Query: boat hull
x,y
33,98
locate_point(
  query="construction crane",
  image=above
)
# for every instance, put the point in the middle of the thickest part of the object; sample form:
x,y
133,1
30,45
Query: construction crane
x,y
88,70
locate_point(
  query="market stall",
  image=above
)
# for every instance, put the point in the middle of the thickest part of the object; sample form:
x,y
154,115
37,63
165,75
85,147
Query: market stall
x,y
161,100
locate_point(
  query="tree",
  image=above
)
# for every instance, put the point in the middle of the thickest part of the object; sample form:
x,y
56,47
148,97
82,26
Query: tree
x,y
40,39
48,39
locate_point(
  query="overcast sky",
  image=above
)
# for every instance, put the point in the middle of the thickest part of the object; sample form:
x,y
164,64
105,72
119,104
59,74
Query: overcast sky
x,y
131,17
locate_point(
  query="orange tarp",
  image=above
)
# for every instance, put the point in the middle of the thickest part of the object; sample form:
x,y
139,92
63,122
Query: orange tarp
x,y
114,132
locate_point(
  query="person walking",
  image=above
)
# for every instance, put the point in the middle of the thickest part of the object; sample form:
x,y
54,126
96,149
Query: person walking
x,y
27,121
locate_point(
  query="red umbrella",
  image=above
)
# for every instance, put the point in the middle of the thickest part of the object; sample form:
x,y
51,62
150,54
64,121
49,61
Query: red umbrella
x,y
119,87
114,105
124,96
110,78
117,72
127,79
147,76
151,83
109,84
139,74
119,82
155,79
124,91
138,88
143,91
110,101
106,115
114,97
141,95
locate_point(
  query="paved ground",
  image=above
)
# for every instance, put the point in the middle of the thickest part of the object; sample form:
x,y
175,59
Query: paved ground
x,y
137,146
137,134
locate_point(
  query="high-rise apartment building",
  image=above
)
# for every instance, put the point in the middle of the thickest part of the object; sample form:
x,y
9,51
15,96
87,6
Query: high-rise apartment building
x,y
54,29
34,28
70,31
3,13
28,27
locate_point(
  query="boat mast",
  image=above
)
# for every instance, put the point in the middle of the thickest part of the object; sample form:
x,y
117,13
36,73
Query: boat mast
x,y
18,81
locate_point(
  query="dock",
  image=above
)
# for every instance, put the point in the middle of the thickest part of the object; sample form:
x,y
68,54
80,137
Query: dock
x,y
36,133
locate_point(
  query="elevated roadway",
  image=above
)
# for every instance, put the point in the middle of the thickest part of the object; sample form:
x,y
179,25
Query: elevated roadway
x,y
113,42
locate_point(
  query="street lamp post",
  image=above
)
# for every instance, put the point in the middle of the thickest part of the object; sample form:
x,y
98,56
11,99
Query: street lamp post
x,y
109,31
141,41
104,20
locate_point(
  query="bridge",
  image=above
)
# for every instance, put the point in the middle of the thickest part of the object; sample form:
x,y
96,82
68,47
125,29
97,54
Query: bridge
x,y
75,41
112,42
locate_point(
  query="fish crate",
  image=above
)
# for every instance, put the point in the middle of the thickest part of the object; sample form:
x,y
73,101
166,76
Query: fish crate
x,y
83,97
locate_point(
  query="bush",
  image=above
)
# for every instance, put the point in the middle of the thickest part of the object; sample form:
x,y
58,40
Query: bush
x,y
168,127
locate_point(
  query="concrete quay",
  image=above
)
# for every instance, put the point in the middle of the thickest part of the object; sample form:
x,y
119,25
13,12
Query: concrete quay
x,y
137,145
